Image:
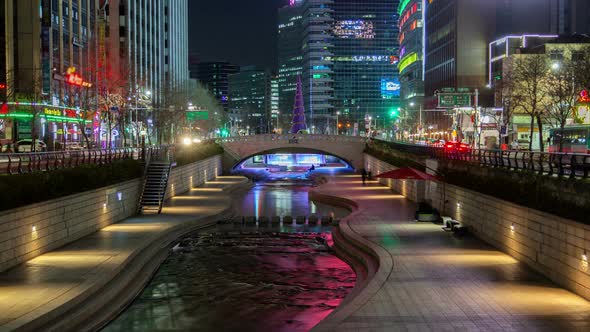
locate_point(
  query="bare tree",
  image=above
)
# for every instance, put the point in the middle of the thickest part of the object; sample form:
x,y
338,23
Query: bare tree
x,y
563,87
508,97
529,74
176,102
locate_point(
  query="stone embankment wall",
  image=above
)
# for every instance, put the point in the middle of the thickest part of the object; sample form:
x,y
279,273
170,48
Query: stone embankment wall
x,y
185,177
556,247
35,229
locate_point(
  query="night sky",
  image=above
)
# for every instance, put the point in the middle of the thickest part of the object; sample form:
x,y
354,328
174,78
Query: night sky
x,y
239,31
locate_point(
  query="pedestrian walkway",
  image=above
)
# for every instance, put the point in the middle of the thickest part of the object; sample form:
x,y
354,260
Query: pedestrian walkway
x,y
430,280
36,288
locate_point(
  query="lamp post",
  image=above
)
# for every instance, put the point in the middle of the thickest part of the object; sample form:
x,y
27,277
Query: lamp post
x,y
337,114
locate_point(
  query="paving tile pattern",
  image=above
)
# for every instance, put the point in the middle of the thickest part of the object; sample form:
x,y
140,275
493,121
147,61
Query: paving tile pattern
x,y
439,282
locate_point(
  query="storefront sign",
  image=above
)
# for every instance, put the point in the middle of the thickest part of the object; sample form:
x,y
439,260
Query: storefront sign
x,y
51,111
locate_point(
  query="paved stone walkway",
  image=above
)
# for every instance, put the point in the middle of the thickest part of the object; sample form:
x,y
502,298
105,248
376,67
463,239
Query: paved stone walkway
x,y
439,282
46,282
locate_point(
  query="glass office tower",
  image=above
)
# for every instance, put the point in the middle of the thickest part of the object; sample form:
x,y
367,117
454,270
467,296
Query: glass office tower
x,y
366,56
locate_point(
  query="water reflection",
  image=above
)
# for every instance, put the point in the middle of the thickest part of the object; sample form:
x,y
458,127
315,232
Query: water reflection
x,y
246,282
279,200
242,282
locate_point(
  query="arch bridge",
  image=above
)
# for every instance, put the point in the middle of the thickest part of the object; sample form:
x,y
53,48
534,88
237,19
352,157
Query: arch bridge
x,y
239,148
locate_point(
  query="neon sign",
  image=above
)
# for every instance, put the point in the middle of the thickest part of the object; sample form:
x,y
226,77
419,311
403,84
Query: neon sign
x,y
75,79
390,88
357,29
584,97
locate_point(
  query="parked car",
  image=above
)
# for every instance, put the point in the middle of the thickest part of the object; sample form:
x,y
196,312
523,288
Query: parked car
x,y
26,145
457,147
74,146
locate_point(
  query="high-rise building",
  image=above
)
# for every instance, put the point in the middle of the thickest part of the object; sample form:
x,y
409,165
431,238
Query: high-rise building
x,y
411,37
145,45
290,56
249,99
456,46
275,112
347,54
215,75
317,78
366,50
48,66
176,43
571,16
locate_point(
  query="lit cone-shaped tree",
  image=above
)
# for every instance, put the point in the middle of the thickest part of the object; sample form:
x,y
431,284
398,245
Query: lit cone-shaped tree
x,y
298,122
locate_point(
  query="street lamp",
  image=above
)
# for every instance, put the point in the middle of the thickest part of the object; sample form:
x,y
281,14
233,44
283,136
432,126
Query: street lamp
x,y
337,114
555,66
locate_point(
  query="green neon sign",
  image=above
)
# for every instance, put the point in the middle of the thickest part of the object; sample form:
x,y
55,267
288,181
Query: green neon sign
x,y
402,6
407,61
48,117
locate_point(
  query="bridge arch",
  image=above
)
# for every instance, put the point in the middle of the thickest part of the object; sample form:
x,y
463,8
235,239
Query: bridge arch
x,y
348,148
296,150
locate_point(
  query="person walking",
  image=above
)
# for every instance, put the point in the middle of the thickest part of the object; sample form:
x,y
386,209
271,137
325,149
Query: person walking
x,y
363,175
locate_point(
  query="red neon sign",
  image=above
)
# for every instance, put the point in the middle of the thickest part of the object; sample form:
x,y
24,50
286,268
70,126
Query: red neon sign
x,y
70,113
75,79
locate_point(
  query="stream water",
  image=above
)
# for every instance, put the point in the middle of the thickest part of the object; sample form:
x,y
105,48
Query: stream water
x,y
236,281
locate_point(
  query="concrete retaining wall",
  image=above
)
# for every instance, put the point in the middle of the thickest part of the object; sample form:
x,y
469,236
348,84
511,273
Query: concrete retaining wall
x,y
556,247
35,229
185,177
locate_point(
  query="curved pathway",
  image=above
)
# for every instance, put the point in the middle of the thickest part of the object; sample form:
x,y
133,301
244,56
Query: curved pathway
x,y
35,293
430,280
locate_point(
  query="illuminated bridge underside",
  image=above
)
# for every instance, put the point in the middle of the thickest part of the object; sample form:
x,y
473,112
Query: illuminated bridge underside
x,y
347,148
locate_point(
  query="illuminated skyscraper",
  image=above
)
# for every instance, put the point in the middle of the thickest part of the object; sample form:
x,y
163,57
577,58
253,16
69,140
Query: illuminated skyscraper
x,y
290,55
411,39
317,78
215,76
365,59
146,41
249,99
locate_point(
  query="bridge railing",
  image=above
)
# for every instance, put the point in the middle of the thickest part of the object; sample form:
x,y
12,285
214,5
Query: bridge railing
x,y
560,164
292,138
17,163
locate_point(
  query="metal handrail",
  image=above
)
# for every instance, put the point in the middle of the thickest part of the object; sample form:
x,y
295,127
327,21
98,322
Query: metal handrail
x,y
573,165
13,163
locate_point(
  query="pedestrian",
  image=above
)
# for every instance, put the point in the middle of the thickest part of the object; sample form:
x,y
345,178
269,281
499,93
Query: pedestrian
x,y
363,175
369,175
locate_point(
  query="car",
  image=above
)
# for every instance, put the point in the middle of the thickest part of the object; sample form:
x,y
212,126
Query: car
x,y
439,143
74,146
457,147
26,145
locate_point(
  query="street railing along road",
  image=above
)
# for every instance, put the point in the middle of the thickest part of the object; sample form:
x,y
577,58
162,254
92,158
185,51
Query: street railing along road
x,y
16,163
561,164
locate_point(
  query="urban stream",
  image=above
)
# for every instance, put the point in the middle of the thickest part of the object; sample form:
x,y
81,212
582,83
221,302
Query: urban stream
x,y
222,280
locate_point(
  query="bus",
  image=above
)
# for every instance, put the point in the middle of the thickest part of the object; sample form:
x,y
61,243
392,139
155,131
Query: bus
x,y
575,139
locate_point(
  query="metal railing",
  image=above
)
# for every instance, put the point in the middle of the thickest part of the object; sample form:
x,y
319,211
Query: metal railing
x,y
293,138
543,163
17,163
